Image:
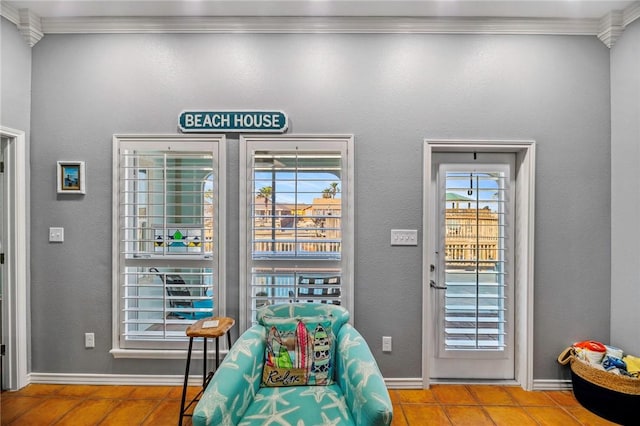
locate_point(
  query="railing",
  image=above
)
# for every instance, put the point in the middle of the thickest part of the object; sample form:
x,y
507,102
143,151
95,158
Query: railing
x,y
320,248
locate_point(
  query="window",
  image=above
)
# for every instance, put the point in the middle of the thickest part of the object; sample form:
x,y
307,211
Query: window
x,y
168,230
296,232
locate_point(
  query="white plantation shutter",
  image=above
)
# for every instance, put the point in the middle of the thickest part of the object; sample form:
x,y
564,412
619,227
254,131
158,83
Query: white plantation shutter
x,y
300,213
476,220
168,237
298,227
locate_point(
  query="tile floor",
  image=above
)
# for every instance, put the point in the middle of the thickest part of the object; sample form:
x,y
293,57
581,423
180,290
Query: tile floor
x,y
77,405
477,405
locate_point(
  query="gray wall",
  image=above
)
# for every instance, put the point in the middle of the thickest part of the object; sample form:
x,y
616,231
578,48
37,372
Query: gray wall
x,y
391,92
15,78
625,196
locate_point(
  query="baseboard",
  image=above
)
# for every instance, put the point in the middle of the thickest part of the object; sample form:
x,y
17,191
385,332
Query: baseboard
x,y
175,380
496,382
551,384
164,380
112,379
404,383
538,385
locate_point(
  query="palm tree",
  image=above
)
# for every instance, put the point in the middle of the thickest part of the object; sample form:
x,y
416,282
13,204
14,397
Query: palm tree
x,y
265,192
331,191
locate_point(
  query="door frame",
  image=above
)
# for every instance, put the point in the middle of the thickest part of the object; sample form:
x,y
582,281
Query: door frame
x,y
524,175
15,283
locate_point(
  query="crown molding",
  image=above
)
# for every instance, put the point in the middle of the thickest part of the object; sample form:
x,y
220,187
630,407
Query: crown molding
x,y
30,26
611,27
9,12
286,25
608,28
631,13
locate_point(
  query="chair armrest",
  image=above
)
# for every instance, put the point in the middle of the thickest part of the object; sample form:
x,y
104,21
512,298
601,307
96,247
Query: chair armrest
x,y
360,379
234,385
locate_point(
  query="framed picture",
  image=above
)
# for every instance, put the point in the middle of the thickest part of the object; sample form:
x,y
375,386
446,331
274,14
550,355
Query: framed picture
x,y
71,178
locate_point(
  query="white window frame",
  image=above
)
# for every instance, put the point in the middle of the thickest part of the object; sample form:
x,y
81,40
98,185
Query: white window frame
x,y
315,143
174,349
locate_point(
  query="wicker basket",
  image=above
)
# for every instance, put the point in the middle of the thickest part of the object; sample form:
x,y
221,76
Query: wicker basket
x,y
614,397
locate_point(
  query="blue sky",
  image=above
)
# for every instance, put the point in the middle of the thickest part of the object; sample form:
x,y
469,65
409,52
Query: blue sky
x,y
310,185
484,187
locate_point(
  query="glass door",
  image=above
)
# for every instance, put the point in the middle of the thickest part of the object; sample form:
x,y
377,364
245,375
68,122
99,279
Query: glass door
x,y
472,283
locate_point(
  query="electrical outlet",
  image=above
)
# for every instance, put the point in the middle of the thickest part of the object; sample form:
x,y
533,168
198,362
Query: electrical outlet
x,y
386,343
56,235
89,340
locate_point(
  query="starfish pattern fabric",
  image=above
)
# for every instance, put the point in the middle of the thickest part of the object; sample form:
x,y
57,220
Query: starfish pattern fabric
x,y
358,395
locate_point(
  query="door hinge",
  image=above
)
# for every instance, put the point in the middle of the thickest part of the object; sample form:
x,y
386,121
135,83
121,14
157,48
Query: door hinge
x,y
1,258
1,166
3,350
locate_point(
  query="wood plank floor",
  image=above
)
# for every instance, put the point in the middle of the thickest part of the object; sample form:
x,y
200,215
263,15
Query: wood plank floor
x,y
41,404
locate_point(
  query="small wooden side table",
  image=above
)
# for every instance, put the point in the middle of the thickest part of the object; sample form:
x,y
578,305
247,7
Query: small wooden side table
x,y
206,329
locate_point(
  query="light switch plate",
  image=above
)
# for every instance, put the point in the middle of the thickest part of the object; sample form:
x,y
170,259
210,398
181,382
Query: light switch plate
x,y
404,237
56,235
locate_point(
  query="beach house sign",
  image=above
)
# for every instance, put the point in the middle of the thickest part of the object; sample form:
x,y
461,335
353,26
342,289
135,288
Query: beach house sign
x,y
192,121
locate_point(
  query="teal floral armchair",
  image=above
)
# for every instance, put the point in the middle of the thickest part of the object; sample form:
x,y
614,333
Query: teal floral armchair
x,y
354,395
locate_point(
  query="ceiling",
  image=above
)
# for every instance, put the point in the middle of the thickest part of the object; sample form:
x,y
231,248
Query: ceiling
x,y
566,9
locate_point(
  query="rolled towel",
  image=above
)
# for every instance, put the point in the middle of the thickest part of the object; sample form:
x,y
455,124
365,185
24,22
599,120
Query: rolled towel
x,y
590,351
